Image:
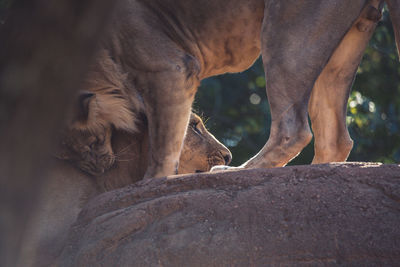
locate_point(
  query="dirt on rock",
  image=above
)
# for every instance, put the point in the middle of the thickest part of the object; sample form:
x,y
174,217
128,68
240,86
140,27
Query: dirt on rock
x,y
321,215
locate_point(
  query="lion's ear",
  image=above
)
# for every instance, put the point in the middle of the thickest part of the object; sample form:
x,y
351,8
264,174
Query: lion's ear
x,y
84,100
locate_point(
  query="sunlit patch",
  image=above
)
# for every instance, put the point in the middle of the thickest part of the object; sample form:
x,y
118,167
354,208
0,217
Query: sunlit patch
x,y
255,99
349,120
233,138
260,81
371,107
353,104
358,98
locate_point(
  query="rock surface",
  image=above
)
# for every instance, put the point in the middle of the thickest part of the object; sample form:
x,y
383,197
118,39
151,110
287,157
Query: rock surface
x,y
321,215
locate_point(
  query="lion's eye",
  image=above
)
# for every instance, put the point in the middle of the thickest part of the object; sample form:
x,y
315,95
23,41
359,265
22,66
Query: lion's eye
x,y
92,141
196,127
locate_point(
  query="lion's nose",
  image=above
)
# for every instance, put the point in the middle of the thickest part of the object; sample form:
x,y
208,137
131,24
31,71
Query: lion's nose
x,y
227,157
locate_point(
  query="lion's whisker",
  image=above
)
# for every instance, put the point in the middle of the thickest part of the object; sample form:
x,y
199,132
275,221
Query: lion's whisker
x,y
124,149
124,160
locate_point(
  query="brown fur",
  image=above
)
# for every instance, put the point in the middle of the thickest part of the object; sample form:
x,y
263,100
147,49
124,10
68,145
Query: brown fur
x,y
115,103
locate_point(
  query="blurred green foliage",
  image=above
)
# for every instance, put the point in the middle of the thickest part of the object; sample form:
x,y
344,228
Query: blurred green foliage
x,y
236,109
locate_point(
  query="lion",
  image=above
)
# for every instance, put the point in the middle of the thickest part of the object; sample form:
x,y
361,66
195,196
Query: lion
x,y
105,105
167,47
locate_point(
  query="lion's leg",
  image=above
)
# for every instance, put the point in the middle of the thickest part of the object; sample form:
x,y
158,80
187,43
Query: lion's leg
x,y
168,98
328,103
297,40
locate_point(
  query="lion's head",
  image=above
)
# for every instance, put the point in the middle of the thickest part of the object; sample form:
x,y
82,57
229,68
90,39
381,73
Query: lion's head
x,y
201,150
86,140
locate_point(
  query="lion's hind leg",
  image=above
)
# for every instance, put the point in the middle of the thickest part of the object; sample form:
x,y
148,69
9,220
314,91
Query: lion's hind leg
x,y
328,103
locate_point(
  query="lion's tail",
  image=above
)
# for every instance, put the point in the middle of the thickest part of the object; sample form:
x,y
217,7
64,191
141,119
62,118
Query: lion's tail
x,y
394,11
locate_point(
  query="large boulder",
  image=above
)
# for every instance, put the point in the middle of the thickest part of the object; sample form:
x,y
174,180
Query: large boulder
x,y
333,214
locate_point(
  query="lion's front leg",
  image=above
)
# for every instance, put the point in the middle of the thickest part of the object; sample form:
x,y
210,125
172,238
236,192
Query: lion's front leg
x,y
168,99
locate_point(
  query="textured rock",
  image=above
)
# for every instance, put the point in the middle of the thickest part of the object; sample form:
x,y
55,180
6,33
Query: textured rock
x,y
338,214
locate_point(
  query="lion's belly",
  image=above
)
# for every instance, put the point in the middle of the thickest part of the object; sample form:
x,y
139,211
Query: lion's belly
x,y
230,39
223,35
230,57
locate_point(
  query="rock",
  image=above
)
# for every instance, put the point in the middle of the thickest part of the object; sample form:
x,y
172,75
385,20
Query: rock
x,y
331,214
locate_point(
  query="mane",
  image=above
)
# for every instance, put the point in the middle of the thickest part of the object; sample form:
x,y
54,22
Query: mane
x,y
116,102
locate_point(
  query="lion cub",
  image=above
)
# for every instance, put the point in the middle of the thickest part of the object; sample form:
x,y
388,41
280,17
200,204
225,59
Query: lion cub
x,y
106,107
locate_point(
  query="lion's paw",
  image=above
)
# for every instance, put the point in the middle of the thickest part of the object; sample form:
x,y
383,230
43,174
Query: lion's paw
x,y
224,168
